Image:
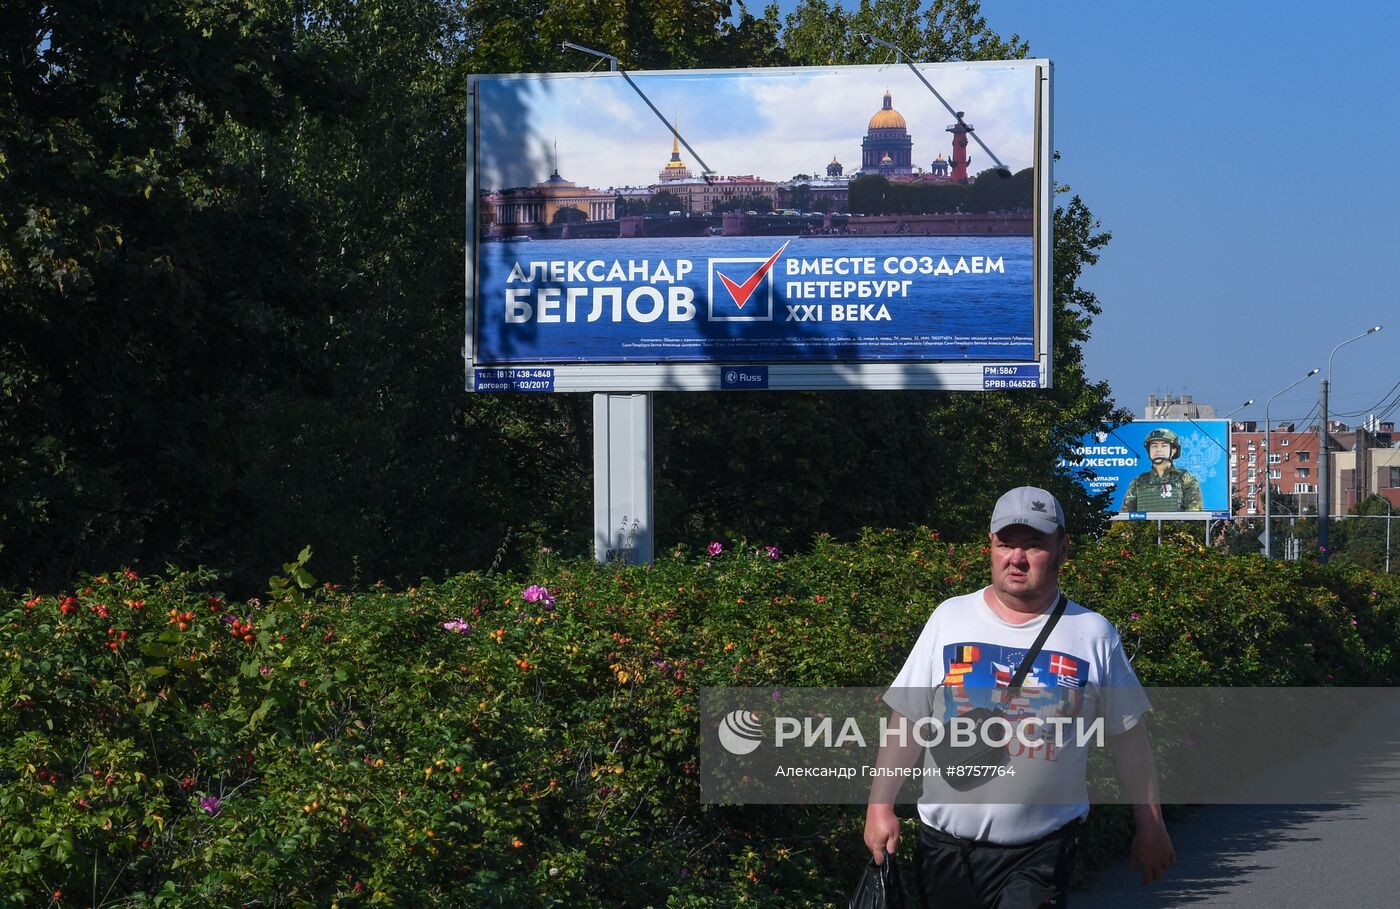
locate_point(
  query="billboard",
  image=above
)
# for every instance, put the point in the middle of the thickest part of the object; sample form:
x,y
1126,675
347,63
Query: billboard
x,y
823,227
1178,469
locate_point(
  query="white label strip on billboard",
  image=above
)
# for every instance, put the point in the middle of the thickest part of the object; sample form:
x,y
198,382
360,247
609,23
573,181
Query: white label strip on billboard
x,y
853,238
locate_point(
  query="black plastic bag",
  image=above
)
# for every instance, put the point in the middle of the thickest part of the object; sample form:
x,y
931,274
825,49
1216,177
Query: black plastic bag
x,y
879,886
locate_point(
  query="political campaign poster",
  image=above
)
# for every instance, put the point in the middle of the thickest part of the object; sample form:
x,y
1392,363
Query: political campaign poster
x,y
824,227
1164,468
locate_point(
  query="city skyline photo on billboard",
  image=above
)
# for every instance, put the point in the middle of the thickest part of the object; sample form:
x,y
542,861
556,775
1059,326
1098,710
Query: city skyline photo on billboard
x,y
819,227
1158,468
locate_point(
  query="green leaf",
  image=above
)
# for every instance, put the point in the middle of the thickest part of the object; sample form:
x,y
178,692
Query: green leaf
x,y
260,714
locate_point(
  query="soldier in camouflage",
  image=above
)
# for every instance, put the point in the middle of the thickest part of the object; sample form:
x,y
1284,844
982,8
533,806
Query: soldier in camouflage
x,y
1165,487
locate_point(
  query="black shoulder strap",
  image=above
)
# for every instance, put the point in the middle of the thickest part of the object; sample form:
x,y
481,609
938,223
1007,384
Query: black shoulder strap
x,y
1024,669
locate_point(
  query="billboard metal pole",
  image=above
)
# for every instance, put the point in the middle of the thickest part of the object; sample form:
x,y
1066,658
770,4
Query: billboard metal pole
x,y
623,485
624,493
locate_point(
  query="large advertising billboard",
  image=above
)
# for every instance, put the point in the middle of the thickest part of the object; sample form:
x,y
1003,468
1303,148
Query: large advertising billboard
x,y
1178,469
831,227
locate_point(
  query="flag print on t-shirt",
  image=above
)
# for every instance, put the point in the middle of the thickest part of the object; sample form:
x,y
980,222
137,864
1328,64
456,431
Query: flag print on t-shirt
x,y
975,673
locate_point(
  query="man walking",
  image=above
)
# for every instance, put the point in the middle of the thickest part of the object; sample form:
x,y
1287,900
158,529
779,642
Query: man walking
x,y
1028,646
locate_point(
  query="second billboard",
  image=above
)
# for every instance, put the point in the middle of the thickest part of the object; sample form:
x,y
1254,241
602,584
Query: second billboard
x,y
1153,468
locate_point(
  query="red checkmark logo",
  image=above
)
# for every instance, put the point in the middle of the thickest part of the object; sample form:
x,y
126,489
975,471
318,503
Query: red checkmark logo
x,y
742,292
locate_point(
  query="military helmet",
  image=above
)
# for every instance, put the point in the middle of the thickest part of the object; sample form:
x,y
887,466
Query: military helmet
x,y
1164,435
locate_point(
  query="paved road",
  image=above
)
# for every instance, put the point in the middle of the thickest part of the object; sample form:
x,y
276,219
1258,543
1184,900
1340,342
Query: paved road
x,y
1308,857
1344,853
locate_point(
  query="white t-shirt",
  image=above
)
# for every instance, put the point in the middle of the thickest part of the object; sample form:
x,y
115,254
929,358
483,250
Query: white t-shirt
x,y
967,649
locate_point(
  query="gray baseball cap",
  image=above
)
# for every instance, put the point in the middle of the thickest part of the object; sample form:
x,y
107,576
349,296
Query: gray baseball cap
x,y
1031,506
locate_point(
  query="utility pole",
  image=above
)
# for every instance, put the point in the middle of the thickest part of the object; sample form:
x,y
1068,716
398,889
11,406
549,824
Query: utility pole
x,y
1324,460
1268,459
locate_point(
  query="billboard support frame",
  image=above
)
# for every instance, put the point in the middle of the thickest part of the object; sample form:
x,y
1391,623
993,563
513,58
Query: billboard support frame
x,y
624,477
623,404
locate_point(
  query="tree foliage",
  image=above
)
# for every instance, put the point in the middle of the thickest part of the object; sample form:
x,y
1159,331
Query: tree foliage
x,y
476,742
231,283
663,202
991,191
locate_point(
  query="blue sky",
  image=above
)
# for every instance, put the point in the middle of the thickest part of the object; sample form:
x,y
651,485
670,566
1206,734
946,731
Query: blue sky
x,y
1246,158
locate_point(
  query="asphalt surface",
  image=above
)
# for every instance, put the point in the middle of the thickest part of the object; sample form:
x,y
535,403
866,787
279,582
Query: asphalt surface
x,y
1343,853
1268,855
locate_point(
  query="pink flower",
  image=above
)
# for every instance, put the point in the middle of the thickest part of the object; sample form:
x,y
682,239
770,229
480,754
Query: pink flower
x,y
1135,616
210,804
715,548
772,552
457,626
537,594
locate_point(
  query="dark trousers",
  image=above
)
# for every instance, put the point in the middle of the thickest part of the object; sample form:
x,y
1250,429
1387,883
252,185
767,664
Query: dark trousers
x,y
954,873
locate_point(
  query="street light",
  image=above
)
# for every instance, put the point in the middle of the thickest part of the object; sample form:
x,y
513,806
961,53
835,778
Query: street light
x,y
1268,486
569,45
1324,498
1238,409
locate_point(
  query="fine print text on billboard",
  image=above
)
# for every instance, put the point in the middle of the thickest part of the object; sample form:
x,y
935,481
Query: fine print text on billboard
x,y
1163,468
825,228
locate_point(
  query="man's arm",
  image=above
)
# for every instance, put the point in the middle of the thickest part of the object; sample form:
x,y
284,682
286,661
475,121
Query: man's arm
x,y
1152,851
1130,497
881,824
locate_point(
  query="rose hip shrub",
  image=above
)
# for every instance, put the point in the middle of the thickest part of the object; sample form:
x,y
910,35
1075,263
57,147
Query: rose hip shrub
x,y
532,741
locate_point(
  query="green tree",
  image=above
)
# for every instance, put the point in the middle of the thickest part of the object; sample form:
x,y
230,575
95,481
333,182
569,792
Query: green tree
x,y
802,197
820,33
1363,542
150,277
230,276
665,201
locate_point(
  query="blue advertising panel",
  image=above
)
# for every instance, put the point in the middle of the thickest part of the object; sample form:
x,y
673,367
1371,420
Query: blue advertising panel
x,y
841,229
1156,468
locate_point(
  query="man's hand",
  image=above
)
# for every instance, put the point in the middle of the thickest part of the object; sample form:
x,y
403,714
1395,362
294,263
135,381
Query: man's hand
x,y
881,831
1152,851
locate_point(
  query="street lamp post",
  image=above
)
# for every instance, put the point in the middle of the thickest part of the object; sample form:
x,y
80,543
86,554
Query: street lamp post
x,y
1269,486
1238,409
1324,498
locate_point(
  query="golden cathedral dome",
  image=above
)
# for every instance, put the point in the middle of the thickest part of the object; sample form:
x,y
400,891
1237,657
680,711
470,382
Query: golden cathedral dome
x,y
887,117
